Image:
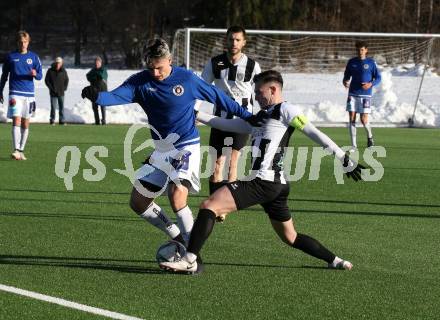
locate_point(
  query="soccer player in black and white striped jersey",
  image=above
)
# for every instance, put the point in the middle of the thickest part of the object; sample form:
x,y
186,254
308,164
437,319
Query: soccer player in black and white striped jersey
x,y
232,72
269,187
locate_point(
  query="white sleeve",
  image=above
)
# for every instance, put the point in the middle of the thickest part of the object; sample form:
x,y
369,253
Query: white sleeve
x,y
232,125
257,70
207,73
321,138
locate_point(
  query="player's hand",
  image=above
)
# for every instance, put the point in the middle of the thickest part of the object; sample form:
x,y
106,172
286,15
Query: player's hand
x,y
366,85
354,169
1,99
346,84
33,73
257,120
90,93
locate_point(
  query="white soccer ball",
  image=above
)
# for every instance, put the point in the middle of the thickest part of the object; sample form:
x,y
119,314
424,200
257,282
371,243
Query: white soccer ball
x,y
170,251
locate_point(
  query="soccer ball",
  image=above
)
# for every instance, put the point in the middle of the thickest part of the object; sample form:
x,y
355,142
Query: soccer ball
x,y
170,251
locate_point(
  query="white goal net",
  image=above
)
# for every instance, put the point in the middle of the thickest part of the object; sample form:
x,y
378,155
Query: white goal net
x,y
312,64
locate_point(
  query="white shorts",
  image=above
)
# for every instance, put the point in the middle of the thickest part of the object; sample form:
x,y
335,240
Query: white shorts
x,y
359,104
19,106
173,166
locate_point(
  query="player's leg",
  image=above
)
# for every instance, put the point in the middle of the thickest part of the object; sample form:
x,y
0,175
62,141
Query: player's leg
x,y
366,124
351,109
220,202
216,141
24,136
148,210
178,196
352,130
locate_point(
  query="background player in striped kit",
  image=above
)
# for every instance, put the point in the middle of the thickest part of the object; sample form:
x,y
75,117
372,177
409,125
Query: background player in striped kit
x,y
364,74
232,72
23,66
268,187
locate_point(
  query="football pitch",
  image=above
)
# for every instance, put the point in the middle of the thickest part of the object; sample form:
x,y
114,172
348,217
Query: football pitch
x,y
87,247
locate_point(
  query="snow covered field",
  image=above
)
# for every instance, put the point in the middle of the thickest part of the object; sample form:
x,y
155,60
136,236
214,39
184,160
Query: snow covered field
x,y
321,96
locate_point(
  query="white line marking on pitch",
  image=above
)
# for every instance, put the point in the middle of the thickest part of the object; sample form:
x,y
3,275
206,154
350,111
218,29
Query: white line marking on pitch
x,y
67,303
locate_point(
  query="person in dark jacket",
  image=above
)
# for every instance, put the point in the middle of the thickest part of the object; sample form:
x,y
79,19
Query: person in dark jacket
x,y
57,81
98,80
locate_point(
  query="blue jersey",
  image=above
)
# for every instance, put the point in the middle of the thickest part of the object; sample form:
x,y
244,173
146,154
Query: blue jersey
x,y
169,104
361,71
19,66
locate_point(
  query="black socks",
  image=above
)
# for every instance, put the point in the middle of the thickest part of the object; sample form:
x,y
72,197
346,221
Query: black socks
x,y
313,247
201,230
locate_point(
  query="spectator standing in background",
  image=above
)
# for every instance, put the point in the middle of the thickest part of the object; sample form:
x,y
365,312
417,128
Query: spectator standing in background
x,y
97,77
57,81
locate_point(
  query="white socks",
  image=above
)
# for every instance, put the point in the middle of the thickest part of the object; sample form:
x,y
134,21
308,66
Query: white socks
x,y
185,221
24,136
352,129
16,137
368,130
155,215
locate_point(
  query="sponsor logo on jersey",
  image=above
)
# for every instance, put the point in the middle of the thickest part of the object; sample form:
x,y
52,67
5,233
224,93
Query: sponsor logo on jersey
x,y
151,89
178,90
16,60
366,66
29,61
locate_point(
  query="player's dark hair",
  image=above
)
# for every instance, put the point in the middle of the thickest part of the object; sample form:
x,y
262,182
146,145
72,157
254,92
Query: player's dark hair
x,y
269,76
236,29
361,44
156,49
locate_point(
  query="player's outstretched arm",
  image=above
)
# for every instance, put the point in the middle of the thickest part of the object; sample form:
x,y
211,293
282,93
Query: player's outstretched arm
x,y
231,125
351,168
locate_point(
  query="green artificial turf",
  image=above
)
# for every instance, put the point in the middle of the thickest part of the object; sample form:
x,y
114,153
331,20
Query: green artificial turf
x,y
86,245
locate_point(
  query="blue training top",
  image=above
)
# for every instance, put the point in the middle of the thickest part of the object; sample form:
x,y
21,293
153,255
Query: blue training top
x,y
19,66
169,104
361,71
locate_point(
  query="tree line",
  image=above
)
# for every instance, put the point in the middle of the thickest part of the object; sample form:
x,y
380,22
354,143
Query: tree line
x,y
117,30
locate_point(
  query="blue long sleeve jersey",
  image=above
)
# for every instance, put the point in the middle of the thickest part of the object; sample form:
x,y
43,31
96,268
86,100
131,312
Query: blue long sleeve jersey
x,y
19,67
169,104
361,71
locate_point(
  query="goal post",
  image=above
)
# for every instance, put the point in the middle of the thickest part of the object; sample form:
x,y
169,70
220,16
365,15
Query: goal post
x,y
313,62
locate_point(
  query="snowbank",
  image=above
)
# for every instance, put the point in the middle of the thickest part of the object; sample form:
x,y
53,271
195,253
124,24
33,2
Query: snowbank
x,y
321,97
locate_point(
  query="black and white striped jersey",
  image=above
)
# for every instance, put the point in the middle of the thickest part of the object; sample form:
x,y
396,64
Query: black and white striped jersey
x,y
270,140
236,80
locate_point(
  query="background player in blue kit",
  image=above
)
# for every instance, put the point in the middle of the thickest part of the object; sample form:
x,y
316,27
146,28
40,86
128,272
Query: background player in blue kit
x,y
364,74
168,96
23,67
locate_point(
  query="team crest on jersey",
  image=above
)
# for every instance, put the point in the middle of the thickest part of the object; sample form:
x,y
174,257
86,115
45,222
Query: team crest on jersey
x,y
366,66
240,76
29,61
178,90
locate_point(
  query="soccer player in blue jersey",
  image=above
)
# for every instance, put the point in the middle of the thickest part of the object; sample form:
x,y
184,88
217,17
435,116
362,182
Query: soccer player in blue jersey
x,y
364,75
168,94
22,66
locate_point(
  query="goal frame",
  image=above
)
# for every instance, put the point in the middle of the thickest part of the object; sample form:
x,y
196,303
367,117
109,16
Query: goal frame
x,y
189,31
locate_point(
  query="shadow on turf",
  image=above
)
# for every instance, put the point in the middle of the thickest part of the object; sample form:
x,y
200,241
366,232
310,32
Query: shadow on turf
x,y
113,265
70,216
80,263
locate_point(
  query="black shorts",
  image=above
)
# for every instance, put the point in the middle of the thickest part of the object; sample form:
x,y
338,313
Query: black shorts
x,y
217,140
271,196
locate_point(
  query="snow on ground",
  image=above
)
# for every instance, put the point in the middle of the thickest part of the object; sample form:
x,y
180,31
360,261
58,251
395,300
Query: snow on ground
x,y
322,98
